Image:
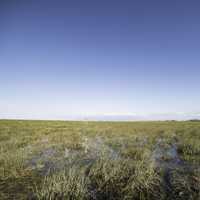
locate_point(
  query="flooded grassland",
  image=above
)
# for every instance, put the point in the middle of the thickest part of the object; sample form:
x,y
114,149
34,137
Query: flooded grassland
x,y
99,160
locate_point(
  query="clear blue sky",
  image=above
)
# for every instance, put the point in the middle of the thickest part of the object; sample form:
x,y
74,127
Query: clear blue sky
x,y
60,58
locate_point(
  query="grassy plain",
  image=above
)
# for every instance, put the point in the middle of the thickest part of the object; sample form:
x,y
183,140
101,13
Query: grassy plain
x,y
99,160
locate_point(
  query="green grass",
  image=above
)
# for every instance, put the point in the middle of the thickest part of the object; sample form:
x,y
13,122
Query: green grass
x,y
99,160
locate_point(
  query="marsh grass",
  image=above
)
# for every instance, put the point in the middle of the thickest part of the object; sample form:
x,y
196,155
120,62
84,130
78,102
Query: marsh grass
x,y
99,160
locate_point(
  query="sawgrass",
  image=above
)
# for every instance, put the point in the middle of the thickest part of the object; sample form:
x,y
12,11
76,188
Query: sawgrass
x,y
105,160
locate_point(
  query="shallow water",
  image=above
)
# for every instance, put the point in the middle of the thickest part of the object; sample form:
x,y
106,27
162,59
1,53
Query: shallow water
x,y
165,156
50,160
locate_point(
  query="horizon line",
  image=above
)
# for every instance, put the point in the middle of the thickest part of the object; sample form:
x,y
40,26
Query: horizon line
x,y
178,116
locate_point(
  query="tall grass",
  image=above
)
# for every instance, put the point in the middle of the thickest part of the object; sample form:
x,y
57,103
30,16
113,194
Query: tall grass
x,y
98,160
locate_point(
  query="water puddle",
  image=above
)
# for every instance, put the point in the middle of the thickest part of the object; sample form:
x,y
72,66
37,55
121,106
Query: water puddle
x,y
50,160
165,155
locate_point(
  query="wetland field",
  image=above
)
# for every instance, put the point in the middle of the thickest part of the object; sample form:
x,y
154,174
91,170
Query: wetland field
x,y
84,160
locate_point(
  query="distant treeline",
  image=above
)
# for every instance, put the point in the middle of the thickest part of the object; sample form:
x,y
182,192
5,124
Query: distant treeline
x,y
194,120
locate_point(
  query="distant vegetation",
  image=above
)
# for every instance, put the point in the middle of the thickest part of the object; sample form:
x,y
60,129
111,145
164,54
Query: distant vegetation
x,y
194,120
99,160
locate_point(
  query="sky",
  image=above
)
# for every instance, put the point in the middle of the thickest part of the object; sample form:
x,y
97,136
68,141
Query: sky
x,y
70,58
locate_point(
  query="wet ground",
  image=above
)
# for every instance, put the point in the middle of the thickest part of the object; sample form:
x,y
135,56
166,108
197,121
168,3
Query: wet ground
x,y
164,155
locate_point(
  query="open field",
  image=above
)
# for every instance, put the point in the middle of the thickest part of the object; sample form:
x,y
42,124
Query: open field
x,y
99,160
